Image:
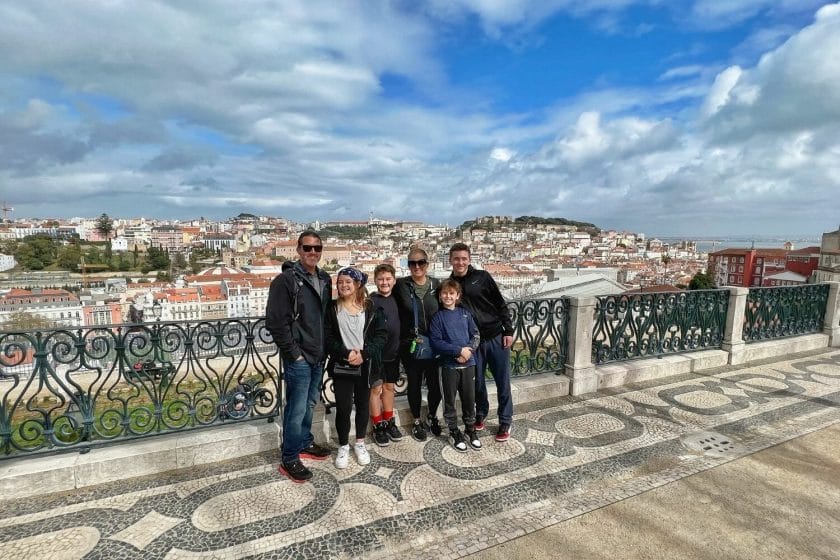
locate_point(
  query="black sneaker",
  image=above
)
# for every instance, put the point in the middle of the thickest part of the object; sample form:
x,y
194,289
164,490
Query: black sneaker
x,y
418,431
380,434
458,441
296,471
472,438
393,432
316,452
434,426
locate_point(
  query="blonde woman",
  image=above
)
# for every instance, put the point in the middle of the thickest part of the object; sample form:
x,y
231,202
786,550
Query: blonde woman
x,y
355,334
416,297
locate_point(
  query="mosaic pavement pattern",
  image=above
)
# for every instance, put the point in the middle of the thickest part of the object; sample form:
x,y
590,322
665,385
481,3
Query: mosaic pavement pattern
x,y
414,500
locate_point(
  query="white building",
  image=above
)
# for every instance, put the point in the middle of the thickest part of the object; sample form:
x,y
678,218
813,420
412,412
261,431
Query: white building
x,y
60,307
119,244
7,262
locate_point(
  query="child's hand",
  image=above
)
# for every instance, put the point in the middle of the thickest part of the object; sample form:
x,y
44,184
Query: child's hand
x,y
466,354
354,358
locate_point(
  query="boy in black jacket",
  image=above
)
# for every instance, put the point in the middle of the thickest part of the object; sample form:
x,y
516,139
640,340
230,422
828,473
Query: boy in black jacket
x,y
383,384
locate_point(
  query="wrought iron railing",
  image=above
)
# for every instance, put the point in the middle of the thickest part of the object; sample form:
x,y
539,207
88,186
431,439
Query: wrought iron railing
x,y
78,388
630,326
784,311
539,335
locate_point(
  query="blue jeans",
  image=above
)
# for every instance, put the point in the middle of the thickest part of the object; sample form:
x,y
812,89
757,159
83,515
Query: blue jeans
x,y
493,354
303,388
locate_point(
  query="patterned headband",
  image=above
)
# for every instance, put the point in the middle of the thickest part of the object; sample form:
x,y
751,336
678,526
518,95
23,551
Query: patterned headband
x,y
355,274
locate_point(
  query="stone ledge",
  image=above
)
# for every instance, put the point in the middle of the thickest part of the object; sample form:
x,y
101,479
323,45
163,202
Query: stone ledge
x,y
779,347
618,374
29,476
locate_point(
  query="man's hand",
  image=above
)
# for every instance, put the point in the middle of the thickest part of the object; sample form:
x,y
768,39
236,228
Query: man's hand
x,y
507,341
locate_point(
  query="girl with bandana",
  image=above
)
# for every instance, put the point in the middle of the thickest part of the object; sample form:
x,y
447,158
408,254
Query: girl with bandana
x,y
355,334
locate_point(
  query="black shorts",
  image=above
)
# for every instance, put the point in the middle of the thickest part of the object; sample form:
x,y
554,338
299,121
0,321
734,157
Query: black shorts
x,y
390,373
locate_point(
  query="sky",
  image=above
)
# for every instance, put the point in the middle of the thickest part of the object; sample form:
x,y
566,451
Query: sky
x,y
694,117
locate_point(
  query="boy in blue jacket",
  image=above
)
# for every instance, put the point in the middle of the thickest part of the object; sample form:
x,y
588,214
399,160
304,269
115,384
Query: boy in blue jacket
x,y
454,336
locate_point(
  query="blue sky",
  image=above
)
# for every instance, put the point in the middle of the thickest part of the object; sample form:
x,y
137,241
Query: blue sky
x,y
703,117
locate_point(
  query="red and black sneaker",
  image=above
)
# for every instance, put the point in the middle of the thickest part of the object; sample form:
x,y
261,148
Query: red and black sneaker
x,y
296,471
504,432
315,452
479,423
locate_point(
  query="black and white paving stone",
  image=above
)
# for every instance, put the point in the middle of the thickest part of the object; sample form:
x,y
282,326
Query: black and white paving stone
x,y
415,500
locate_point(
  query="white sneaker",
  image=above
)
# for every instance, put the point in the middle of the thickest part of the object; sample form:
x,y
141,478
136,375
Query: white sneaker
x,y
362,455
343,457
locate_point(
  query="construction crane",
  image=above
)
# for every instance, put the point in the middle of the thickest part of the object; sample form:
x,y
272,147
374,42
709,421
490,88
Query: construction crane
x,y
6,209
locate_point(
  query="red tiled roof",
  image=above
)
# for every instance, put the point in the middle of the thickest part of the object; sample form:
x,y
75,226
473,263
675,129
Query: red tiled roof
x,y
758,252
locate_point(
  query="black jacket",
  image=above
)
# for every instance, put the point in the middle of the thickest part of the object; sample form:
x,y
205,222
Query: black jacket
x,y
376,334
390,310
402,295
482,297
294,314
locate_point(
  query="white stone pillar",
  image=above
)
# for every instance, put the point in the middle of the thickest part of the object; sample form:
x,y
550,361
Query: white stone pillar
x,y
831,324
733,335
579,366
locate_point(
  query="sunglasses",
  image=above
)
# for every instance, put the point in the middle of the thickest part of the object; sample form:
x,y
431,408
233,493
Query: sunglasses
x,y
310,248
422,262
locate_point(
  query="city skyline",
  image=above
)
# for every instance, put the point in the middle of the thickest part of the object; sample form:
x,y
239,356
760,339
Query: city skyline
x,y
698,237
696,118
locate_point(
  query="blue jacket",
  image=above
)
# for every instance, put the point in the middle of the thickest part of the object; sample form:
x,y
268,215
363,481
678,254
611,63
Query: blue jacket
x,y
449,331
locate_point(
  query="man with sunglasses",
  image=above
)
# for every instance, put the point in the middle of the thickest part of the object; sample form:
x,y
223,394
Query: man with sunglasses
x,y
297,304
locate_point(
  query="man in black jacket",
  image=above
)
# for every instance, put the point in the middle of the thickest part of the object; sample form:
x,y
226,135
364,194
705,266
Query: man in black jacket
x,y
297,304
482,297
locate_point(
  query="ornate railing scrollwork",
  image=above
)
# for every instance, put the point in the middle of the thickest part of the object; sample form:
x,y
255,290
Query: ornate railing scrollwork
x,y
784,311
630,326
539,335
79,388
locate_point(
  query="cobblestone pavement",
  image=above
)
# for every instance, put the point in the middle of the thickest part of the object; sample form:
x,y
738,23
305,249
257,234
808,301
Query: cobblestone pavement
x,y
414,500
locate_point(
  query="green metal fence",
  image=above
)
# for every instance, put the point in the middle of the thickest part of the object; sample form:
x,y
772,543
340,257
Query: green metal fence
x,y
632,326
784,311
539,335
78,388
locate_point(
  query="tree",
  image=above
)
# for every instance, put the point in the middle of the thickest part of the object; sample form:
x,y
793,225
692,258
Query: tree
x,y
104,225
180,262
702,281
36,252
25,321
69,257
666,260
94,256
156,259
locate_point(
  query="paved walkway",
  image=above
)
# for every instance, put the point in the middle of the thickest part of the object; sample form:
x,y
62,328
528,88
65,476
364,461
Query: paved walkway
x,y
630,474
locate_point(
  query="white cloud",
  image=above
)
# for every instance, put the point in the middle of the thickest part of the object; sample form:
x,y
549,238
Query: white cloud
x,y
794,87
281,107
